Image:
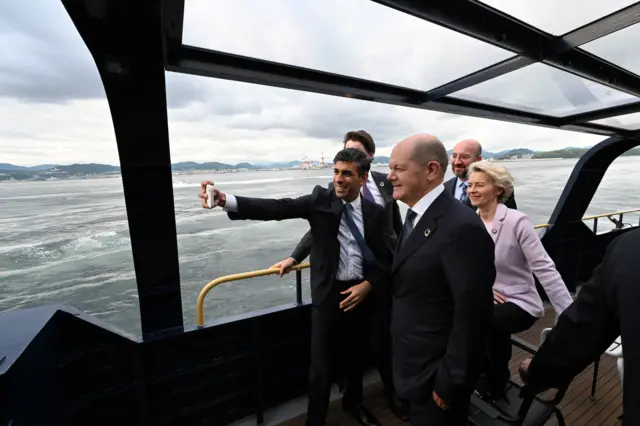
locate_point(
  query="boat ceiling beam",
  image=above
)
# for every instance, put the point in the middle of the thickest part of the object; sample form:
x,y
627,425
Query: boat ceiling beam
x,y
172,25
211,63
604,26
599,114
477,20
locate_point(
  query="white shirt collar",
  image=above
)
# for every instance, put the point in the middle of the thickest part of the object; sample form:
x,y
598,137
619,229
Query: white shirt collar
x,y
357,203
462,182
425,202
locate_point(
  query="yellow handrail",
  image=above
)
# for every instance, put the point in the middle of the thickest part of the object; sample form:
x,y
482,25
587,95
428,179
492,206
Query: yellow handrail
x,y
235,277
546,225
272,271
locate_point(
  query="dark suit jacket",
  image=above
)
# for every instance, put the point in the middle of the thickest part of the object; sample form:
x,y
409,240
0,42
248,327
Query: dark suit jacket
x,y
324,210
442,282
450,187
607,306
392,212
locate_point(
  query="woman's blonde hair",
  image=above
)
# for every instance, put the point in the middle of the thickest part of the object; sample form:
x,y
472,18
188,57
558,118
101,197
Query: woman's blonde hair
x,y
498,174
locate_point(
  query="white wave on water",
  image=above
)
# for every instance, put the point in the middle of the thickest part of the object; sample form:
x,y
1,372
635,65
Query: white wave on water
x,y
34,196
89,255
70,286
48,247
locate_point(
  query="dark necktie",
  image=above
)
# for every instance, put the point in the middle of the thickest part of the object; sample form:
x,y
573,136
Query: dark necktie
x,y
463,196
367,255
367,193
408,227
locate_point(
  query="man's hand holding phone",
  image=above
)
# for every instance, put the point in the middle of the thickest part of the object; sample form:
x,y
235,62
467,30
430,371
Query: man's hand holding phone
x,y
210,197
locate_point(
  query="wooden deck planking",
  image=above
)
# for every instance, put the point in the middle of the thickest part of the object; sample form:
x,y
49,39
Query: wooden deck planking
x,y
577,407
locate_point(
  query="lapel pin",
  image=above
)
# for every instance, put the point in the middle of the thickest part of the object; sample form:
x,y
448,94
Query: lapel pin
x,y
494,231
381,183
427,232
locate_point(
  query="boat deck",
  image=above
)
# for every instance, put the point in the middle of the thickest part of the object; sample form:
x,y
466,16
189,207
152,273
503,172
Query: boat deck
x,y
577,406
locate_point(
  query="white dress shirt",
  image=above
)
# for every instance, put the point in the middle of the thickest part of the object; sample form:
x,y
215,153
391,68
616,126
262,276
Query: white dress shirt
x,y
377,195
350,266
459,185
425,202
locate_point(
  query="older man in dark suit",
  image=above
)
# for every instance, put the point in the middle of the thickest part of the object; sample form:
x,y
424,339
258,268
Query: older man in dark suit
x,y
377,189
442,277
352,251
465,153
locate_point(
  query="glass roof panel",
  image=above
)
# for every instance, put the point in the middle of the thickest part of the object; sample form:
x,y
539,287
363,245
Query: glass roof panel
x,y
558,17
546,90
628,121
619,48
358,38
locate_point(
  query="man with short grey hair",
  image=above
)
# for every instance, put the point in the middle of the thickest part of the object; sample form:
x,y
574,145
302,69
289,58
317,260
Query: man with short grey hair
x,y
441,282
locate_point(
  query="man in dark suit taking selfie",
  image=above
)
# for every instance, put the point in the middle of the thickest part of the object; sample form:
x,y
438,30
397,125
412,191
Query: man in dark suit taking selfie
x,y
352,251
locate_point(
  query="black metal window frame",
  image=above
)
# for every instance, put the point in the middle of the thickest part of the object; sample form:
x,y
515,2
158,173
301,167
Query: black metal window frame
x,y
134,43
468,17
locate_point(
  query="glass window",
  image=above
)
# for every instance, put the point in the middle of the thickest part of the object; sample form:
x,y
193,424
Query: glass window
x,y
64,235
558,17
355,37
628,121
618,48
543,89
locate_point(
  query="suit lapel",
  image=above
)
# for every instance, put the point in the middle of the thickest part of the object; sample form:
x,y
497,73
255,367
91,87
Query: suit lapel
x,y
368,219
422,231
336,207
385,188
496,227
450,185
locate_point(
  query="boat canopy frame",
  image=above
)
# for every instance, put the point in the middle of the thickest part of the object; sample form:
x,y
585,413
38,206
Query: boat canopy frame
x,y
134,43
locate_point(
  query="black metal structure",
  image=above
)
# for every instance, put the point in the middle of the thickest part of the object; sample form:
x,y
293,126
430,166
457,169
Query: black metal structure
x,y
84,372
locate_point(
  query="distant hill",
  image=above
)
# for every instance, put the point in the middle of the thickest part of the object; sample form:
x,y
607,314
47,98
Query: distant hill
x,y
75,171
518,152
576,153
7,166
52,171
213,165
190,165
280,164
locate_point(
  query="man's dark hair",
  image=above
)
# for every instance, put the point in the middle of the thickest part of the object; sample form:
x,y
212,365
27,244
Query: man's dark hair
x,y
363,137
353,155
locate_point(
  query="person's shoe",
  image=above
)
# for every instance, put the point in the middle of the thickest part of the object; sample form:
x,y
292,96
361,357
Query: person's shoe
x,y
490,390
398,407
361,414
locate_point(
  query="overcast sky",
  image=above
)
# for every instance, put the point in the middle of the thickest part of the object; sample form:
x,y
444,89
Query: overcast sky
x,y
54,110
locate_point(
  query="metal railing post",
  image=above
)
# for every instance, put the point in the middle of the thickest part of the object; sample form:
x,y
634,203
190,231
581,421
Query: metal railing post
x,y
298,287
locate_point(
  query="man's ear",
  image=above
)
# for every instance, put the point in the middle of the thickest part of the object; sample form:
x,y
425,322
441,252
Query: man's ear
x,y
433,170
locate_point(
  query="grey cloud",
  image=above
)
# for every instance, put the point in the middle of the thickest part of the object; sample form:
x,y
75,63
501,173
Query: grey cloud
x,y
43,57
45,61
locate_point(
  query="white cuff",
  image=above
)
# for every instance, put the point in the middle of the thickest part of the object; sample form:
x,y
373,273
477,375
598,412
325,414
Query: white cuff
x,y
231,205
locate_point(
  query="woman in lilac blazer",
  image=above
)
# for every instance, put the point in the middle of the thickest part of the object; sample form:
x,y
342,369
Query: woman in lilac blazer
x,y
518,254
